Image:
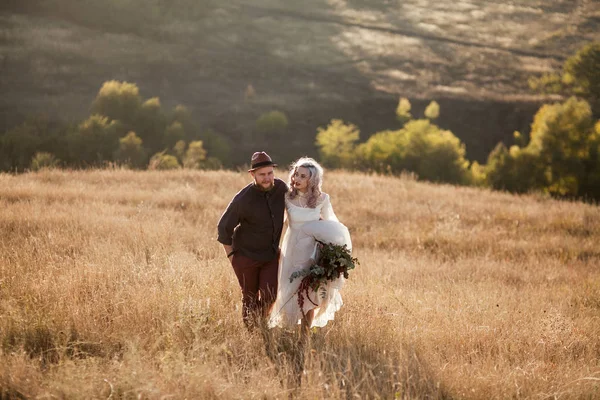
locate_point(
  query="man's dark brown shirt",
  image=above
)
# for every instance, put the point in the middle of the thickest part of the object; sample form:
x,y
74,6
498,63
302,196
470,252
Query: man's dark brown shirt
x,y
253,221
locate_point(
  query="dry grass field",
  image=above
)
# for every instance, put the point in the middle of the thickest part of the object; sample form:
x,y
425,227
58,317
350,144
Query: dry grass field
x,y
112,285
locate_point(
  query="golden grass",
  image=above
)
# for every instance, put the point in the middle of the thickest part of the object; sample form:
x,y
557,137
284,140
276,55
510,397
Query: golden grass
x,y
112,285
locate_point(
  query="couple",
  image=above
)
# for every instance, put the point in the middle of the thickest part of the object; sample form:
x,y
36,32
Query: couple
x,y
250,229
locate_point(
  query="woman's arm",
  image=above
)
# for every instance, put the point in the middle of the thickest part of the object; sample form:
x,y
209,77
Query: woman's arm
x,y
327,211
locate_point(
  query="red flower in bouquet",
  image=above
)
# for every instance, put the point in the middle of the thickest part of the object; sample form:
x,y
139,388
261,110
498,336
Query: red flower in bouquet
x,y
333,262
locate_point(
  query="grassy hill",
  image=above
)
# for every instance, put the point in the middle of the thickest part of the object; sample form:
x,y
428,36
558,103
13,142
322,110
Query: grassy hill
x,y
315,60
112,284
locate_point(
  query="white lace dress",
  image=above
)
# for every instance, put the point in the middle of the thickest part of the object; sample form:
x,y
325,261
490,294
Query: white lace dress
x,y
298,251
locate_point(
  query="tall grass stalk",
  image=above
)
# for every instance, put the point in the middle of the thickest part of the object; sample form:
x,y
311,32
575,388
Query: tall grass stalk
x,y
112,285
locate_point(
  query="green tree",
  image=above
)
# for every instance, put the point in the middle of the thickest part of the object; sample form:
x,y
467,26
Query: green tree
x,y
590,185
44,160
336,143
212,163
38,133
17,146
163,161
519,139
272,123
122,102
432,111
174,133
549,83
383,152
118,101
562,135
403,110
182,115
518,170
95,140
151,124
581,73
195,155
477,175
217,146
179,150
437,155
420,147
580,76
131,151
562,157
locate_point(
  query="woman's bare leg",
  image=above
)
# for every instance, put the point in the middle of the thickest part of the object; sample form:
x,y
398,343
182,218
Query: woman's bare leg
x,y
303,344
305,326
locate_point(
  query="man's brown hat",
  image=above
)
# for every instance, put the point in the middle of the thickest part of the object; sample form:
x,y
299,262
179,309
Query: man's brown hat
x,y
260,159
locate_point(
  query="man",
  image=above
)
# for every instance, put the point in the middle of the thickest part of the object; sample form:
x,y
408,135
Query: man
x,y
249,230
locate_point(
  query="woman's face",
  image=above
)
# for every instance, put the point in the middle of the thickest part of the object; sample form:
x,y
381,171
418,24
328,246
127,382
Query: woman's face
x,y
300,179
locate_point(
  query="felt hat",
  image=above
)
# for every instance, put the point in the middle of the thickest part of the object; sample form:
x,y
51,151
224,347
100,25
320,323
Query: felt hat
x,y
260,159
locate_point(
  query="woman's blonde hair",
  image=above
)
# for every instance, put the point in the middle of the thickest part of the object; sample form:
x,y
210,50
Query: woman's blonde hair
x,y
314,183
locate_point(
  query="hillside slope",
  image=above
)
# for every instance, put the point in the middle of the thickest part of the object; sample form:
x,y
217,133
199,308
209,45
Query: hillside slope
x,y
315,60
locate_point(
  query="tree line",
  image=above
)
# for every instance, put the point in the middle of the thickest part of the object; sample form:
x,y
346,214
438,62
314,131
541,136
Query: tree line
x,y
559,156
123,128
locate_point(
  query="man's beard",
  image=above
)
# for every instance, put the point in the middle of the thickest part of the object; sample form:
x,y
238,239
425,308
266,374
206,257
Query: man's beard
x,y
264,189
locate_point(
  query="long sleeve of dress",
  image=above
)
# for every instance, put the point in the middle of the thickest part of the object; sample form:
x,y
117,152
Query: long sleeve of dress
x,y
327,210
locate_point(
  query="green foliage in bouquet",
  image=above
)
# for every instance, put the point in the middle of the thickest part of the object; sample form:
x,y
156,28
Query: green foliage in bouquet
x,y
334,261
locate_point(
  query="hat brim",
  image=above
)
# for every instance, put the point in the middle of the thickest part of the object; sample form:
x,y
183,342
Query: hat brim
x,y
262,165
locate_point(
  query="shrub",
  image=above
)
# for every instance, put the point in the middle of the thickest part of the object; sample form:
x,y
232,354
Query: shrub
x,y
477,174
179,150
18,146
581,73
174,133
383,152
336,143
181,114
151,124
162,161
43,160
272,122
195,155
562,135
517,170
562,157
403,110
432,111
439,155
580,76
420,147
211,163
130,151
217,146
118,101
38,133
95,140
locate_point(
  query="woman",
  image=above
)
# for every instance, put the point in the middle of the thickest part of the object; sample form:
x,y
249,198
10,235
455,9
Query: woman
x,y
306,205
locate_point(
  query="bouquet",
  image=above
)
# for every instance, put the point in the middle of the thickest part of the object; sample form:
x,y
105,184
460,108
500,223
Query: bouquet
x,y
334,261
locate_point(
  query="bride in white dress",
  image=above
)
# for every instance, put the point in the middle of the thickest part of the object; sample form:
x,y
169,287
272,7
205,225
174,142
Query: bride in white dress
x,y
310,216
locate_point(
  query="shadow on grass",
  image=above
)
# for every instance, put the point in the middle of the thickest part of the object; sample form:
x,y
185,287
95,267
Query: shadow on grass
x,y
41,342
327,368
